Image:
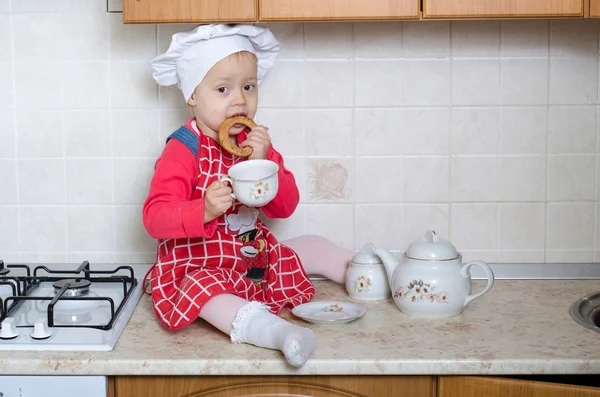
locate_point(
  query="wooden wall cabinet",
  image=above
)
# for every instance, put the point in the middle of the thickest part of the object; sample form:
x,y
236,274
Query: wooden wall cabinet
x,y
189,11
337,10
317,386
457,9
477,386
595,8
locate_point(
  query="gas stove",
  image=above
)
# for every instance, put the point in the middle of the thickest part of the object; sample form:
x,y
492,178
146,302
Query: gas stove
x,y
79,309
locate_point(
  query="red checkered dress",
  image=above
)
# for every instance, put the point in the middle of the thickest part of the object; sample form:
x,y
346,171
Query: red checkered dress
x,y
189,271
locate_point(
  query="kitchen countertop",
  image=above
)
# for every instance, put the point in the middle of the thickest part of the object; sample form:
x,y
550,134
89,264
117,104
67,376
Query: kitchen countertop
x,y
519,327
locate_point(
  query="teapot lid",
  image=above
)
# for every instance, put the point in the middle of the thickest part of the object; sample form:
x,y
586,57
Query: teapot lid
x,y
367,256
431,248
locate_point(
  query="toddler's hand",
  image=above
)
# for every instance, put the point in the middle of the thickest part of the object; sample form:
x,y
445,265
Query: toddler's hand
x,y
217,200
259,140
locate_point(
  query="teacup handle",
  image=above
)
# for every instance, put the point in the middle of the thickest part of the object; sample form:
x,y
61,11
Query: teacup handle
x,y
490,276
226,179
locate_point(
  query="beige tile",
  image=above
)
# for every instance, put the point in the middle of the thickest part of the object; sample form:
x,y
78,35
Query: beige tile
x,y
89,181
87,133
419,218
90,228
476,38
379,132
8,176
569,226
574,38
9,223
36,37
474,226
131,42
94,257
378,179
49,177
334,222
327,40
132,180
319,74
476,82
479,255
521,256
525,38
522,226
378,39
287,228
388,231
135,257
474,130
171,120
37,85
82,6
131,86
329,180
297,166
430,40
374,87
170,97
571,177
524,81
36,142
7,94
85,36
522,131
291,39
7,135
572,129
135,133
286,128
573,81
423,132
131,237
570,256
425,179
5,39
288,74
474,178
329,132
426,83
50,235
44,257
522,178
86,86
34,5
597,226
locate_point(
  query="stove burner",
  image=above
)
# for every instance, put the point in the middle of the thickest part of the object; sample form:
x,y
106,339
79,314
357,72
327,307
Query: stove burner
x,y
77,287
3,270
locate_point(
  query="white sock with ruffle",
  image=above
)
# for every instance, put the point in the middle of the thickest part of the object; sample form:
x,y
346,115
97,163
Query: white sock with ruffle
x,y
254,324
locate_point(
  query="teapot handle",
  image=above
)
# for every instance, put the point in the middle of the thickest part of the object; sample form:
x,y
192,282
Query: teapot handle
x,y
490,276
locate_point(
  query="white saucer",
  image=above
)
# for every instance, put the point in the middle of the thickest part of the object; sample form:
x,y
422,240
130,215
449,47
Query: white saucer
x,y
329,312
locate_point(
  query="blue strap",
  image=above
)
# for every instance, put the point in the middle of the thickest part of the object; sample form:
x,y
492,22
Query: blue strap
x,y
188,138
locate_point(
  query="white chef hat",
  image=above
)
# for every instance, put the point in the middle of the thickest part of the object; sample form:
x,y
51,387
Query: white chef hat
x,y
191,54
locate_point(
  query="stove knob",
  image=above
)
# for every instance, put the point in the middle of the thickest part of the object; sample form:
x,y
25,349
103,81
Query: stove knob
x,y
9,329
41,329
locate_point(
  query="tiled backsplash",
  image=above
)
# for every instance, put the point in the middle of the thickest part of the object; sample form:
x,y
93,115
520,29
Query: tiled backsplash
x,y
486,132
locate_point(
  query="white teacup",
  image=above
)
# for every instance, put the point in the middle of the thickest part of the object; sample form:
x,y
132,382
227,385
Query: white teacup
x,y
254,182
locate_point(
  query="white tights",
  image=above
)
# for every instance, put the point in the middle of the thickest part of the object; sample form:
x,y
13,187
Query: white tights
x,y
251,322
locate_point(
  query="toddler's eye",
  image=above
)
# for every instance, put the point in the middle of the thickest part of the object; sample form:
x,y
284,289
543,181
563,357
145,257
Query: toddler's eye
x,y
222,90
249,87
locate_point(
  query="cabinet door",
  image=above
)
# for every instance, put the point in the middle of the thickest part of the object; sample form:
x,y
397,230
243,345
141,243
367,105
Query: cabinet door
x,y
189,11
337,10
501,8
467,386
595,8
233,386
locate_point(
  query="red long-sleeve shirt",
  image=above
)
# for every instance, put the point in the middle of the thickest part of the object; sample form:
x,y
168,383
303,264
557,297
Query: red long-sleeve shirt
x,y
169,210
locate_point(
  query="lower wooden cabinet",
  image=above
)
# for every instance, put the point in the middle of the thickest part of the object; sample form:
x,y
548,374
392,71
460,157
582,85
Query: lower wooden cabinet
x,y
345,386
595,8
234,386
472,386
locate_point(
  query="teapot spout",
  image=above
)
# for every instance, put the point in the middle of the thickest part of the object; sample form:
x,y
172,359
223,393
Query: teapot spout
x,y
389,262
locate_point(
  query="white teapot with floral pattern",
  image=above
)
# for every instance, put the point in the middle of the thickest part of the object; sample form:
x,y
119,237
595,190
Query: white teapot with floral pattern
x,y
431,281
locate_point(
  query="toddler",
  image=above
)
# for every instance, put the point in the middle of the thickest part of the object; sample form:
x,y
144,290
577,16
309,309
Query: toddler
x,y
215,259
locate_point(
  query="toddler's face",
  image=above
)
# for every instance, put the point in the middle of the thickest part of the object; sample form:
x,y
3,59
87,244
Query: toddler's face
x,y
230,88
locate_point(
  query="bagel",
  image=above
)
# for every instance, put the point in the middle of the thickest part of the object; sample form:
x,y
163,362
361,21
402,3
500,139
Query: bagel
x,y
226,143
